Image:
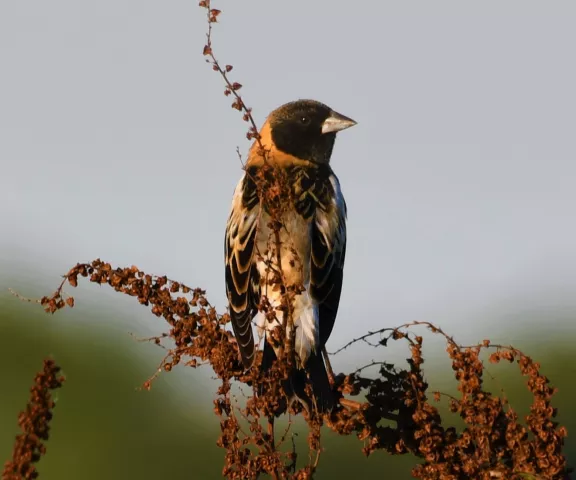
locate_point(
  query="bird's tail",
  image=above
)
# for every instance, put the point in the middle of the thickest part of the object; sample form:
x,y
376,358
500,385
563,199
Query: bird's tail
x,y
295,387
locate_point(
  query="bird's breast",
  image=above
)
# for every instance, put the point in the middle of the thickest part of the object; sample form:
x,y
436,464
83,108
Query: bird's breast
x,y
291,244
293,239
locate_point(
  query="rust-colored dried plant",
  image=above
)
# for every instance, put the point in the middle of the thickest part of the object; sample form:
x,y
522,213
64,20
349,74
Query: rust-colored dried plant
x,y
35,425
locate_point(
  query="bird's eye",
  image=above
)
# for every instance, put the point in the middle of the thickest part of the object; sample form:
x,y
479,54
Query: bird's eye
x,y
304,120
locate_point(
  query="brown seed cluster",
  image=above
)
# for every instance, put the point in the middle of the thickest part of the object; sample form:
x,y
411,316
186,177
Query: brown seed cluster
x,y
231,88
494,443
34,423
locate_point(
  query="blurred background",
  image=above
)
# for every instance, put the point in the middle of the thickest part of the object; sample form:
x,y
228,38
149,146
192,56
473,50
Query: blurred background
x,y
116,142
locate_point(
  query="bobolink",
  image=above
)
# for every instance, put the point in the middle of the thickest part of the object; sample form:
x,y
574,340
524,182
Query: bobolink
x,y
288,180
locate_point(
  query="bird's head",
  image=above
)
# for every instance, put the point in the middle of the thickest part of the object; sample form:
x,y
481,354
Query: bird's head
x,y
304,130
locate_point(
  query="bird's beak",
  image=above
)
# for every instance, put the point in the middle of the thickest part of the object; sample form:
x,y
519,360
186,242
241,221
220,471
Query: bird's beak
x,y
336,122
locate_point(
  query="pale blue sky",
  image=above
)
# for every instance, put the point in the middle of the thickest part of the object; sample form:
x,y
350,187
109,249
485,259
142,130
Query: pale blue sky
x,y
116,140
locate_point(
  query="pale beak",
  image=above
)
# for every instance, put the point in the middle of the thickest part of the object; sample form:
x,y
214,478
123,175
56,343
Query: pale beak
x,y
337,122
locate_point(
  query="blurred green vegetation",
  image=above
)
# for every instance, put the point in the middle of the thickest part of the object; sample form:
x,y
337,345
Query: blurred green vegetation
x,y
104,427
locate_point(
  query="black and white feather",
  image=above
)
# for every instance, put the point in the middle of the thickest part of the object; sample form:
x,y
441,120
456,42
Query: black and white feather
x,y
242,277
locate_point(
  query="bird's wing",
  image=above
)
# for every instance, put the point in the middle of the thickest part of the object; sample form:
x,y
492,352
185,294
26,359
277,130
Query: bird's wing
x,y
242,278
328,237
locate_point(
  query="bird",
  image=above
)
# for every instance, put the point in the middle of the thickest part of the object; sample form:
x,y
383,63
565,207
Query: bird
x,y
296,141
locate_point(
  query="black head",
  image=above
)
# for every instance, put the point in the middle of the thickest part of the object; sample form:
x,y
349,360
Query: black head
x,y
307,129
